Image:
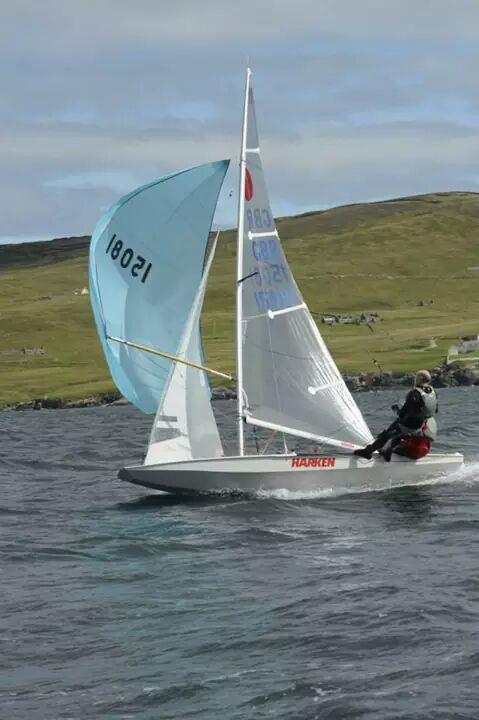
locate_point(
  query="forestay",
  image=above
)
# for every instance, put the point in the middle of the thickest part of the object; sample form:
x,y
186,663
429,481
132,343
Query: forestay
x,y
290,381
184,426
146,260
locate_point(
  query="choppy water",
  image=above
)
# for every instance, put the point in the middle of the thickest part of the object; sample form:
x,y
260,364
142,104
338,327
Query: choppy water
x,y
118,603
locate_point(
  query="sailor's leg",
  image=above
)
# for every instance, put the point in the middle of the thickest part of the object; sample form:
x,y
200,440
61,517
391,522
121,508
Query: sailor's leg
x,y
391,446
400,449
367,452
393,429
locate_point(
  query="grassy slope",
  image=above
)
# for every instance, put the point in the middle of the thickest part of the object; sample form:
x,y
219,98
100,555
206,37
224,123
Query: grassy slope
x,y
382,257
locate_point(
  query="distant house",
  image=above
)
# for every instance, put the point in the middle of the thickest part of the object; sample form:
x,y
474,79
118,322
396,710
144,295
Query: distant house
x,y
364,318
470,343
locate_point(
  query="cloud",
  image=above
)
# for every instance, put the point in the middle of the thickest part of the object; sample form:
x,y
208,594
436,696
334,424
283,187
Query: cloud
x,y
110,23
118,182
355,100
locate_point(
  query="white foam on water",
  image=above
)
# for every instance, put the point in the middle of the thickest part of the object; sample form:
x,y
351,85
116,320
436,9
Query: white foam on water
x,y
284,494
319,494
468,473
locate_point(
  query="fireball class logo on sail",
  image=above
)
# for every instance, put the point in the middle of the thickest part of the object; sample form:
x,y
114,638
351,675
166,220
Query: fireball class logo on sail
x,y
313,462
248,186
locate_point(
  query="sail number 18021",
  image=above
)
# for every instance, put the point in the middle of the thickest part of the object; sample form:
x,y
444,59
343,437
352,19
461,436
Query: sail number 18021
x,y
125,257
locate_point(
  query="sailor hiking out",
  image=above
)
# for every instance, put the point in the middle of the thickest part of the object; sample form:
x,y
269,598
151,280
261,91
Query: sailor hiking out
x,y
415,429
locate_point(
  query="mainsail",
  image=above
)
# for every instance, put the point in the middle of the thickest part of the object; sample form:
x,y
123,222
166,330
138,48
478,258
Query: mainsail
x,y
288,379
185,427
146,260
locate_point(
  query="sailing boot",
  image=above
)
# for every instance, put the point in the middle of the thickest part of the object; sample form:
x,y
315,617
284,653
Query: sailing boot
x,y
367,452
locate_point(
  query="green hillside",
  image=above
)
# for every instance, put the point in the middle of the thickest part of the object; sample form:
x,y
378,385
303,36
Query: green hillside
x,y
378,257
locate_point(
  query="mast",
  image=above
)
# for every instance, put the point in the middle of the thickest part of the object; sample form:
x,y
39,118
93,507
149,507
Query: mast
x,y
239,270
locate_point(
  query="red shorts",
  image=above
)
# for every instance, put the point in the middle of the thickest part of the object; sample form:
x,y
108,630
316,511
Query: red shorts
x,y
414,447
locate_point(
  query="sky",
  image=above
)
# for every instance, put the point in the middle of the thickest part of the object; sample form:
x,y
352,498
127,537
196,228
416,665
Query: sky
x,y
357,100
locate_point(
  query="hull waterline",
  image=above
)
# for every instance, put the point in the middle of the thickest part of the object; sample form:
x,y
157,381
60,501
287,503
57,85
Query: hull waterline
x,y
294,473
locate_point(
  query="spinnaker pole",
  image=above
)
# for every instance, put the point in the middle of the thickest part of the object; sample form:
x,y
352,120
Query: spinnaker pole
x,y
169,356
239,269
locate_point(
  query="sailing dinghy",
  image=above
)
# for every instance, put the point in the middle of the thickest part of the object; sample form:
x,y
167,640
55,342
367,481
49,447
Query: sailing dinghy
x,y
287,381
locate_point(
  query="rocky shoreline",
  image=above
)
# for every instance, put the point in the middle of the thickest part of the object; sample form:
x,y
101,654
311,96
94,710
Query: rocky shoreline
x,y
452,375
113,398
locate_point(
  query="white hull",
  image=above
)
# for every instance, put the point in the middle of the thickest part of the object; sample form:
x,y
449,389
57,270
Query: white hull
x,y
294,473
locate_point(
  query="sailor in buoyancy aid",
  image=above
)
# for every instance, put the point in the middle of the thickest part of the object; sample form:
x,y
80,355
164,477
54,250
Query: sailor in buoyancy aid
x,y
415,429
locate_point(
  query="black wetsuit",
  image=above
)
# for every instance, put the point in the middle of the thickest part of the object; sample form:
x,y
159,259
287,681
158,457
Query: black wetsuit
x,y
412,414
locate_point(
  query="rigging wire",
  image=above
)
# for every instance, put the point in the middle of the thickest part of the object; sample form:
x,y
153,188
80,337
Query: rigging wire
x,y
256,440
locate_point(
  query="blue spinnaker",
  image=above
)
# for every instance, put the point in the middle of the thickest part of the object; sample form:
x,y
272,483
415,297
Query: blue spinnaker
x,y
146,261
